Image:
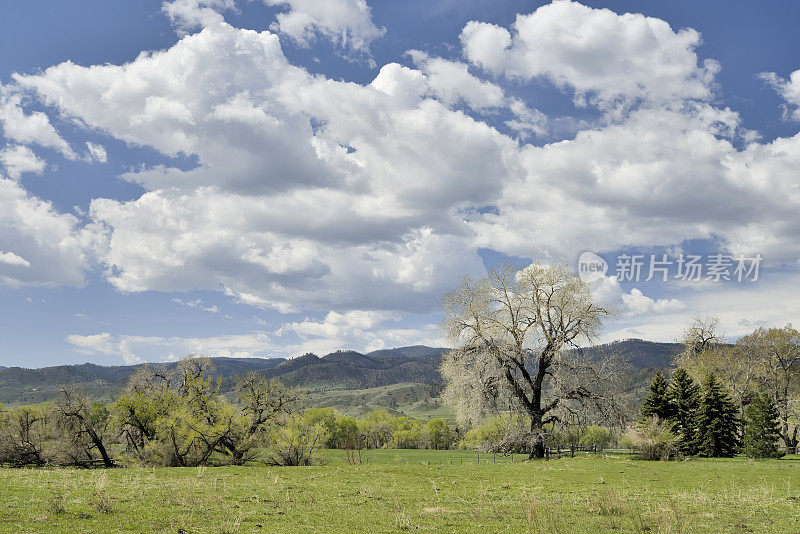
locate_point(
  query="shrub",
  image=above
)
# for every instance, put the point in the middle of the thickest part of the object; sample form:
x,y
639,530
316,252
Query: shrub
x,y
652,440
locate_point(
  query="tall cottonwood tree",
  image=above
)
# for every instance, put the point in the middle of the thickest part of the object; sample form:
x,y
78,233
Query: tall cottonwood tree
x,y
511,330
781,377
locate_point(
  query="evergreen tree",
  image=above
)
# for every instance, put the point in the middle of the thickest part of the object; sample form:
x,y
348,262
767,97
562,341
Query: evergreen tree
x,y
684,397
657,400
717,423
761,428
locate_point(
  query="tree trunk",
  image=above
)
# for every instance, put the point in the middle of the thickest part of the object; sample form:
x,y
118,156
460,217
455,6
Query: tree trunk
x,y
101,448
537,450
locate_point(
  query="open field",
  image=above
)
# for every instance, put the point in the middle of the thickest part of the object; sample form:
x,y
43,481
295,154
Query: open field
x,y
411,399
413,490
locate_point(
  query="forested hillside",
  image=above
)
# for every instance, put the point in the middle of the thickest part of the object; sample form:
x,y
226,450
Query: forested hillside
x,y
342,371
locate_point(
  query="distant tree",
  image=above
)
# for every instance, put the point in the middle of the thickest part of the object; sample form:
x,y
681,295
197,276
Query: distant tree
x,y
438,434
506,433
717,422
684,396
345,433
297,442
327,418
408,433
146,399
781,347
766,359
702,335
375,430
657,401
85,424
597,438
762,428
511,331
24,433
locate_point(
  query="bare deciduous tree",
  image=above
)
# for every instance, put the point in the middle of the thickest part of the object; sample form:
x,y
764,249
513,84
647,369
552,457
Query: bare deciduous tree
x,y
511,331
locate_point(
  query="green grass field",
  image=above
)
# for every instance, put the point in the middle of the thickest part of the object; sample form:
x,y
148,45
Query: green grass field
x,y
412,399
448,491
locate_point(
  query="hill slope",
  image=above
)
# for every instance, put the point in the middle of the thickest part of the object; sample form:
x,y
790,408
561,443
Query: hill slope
x,y
342,370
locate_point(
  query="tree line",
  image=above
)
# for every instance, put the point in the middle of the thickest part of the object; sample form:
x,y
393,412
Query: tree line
x,y
180,418
746,401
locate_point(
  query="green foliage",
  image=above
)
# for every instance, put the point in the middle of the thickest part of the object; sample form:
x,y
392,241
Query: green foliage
x,y
597,438
717,422
326,417
438,434
657,401
500,434
298,441
376,429
762,428
684,396
345,433
24,435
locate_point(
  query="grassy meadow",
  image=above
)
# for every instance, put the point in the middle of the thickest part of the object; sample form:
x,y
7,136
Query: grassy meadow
x,y
396,491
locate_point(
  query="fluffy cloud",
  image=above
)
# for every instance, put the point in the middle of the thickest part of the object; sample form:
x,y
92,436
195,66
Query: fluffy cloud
x,y
279,213
665,175
347,23
788,89
453,84
608,293
189,14
32,128
358,330
596,52
41,246
368,200
9,258
19,159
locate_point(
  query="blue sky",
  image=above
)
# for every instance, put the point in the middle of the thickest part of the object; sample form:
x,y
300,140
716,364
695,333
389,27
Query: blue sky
x,y
321,181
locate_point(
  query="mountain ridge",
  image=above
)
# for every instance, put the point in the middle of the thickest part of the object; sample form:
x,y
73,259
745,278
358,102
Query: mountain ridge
x,y
345,369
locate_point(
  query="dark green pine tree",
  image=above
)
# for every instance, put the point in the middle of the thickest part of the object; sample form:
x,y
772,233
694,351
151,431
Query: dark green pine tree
x,y
717,423
761,428
684,396
657,400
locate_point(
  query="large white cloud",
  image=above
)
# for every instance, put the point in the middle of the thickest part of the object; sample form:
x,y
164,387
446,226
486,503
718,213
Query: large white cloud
x,y
317,194
344,216
596,52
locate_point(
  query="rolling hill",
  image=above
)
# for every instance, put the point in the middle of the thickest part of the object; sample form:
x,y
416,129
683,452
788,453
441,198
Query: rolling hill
x,y
338,371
